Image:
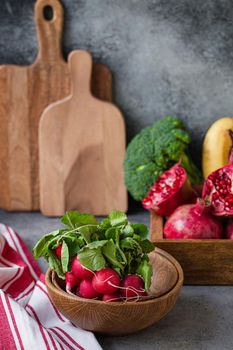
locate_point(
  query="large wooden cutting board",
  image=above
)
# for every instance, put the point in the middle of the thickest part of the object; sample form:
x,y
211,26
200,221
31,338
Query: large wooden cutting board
x,y
81,148
24,93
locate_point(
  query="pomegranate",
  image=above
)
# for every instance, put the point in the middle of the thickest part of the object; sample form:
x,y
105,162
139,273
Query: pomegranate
x,y
229,230
170,190
193,221
218,189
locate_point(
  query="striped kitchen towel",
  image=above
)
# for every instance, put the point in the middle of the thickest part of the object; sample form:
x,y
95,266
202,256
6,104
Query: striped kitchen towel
x,y
28,319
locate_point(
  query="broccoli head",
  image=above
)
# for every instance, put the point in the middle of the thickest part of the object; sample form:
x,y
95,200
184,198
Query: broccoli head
x,y
154,150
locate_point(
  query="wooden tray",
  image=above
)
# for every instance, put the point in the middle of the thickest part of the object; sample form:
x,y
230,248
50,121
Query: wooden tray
x,y
203,261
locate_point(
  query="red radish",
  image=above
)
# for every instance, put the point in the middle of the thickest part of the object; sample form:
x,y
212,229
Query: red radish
x,y
71,281
193,221
58,251
86,290
218,189
80,271
106,281
111,297
132,286
170,190
229,230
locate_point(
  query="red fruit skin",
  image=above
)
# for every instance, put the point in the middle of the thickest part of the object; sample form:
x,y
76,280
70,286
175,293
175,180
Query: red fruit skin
x,y
86,290
193,221
58,251
133,287
229,230
71,280
106,281
111,297
181,193
80,271
218,189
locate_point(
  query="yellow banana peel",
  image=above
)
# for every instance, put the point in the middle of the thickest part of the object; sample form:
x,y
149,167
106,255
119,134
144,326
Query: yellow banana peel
x,y
217,145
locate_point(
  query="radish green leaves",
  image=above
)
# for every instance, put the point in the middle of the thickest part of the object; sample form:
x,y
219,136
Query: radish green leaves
x,y
114,242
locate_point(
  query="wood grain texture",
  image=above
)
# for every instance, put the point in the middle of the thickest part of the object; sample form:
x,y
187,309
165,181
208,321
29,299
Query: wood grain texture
x,y
119,318
82,148
165,274
25,91
204,262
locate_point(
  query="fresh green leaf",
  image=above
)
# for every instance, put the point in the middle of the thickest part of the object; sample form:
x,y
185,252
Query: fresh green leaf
x,y
41,247
128,230
64,257
118,271
109,251
112,233
76,219
141,230
95,244
129,267
95,237
120,255
117,218
86,232
70,237
63,234
73,246
144,269
105,223
136,237
92,259
81,242
147,246
126,244
53,243
55,264
130,243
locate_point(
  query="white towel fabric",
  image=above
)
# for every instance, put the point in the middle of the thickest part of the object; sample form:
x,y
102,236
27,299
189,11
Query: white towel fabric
x,y
28,319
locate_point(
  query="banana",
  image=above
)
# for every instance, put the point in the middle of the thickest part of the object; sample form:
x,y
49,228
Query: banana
x,y
217,145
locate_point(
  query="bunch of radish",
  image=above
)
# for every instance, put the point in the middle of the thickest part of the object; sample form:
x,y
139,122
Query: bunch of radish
x,y
105,260
104,284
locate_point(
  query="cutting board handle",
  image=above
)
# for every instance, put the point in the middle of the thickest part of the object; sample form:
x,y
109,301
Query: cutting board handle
x,y
49,22
80,65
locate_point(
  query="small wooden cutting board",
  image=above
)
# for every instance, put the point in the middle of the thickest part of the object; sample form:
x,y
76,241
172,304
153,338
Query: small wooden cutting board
x,y
25,91
81,149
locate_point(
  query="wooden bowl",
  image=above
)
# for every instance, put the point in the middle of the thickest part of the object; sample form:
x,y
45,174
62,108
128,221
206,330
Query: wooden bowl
x,y
118,318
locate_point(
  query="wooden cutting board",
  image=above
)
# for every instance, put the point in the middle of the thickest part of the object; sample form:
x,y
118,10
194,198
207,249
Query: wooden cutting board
x,y
81,148
24,93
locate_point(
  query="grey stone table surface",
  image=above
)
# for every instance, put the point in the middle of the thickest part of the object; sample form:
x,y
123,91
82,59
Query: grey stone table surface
x,y
202,319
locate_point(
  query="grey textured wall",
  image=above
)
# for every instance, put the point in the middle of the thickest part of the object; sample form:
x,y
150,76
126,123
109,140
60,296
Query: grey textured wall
x,y
168,56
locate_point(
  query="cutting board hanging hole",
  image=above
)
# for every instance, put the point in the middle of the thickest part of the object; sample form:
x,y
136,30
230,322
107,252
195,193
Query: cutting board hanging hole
x,y
49,20
48,13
